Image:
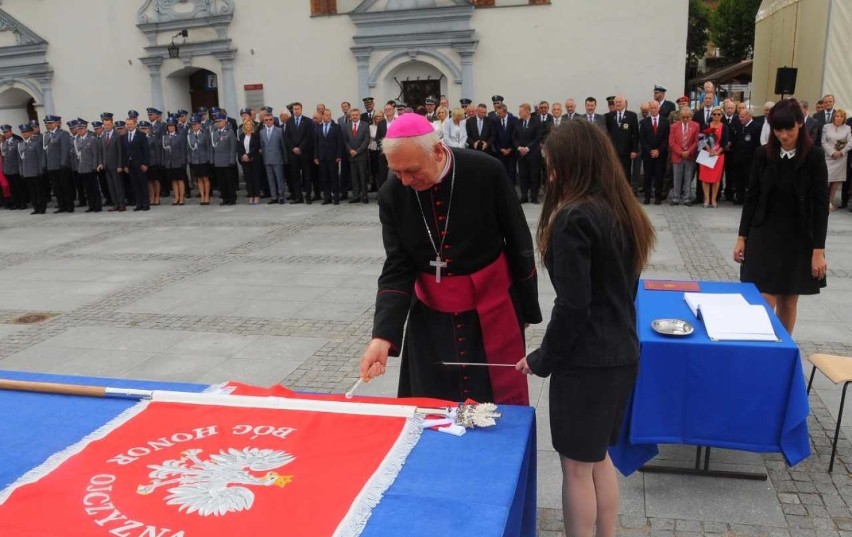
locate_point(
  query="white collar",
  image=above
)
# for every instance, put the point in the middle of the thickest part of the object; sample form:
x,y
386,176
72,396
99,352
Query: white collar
x,y
789,154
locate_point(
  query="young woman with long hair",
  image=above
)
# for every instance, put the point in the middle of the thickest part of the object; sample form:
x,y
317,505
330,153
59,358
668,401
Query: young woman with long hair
x,y
594,239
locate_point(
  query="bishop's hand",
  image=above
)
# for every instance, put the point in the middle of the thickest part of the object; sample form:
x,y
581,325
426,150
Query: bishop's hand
x,y
375,359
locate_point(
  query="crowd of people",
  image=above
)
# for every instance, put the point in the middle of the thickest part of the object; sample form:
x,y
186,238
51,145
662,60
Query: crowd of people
x,y
668,151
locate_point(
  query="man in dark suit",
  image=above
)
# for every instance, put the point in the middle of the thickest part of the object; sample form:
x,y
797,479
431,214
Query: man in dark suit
x,y
654,139
480,130
496,102
591,116
666,106
504,130
732,120
382,131
328,152
545,119
811,124
526,140
357,139
623,128
135,161
702,114
298,138
742,153
826,116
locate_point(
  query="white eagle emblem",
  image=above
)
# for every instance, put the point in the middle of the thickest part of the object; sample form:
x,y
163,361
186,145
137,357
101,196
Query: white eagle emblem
x,y
212,487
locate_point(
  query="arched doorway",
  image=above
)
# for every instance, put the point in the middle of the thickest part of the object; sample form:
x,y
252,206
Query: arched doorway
x,y
17,106
413,81
203,89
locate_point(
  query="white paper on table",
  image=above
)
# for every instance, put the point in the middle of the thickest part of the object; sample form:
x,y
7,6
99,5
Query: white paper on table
x,y
737,323
706,160
696,300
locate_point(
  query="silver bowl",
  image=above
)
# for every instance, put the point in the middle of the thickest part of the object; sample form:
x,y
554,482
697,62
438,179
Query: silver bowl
x,y
672,327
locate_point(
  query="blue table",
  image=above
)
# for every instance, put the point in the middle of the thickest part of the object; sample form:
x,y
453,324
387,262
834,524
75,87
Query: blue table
x,y
482,484
741,395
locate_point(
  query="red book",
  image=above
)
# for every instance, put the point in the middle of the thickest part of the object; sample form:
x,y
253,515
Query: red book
x,y
671,285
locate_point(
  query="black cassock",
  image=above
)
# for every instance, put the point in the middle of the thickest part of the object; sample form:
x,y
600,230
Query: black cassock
x,y
485,219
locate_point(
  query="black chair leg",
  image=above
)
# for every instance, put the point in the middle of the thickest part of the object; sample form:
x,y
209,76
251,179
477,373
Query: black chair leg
x,y
811,381
837,429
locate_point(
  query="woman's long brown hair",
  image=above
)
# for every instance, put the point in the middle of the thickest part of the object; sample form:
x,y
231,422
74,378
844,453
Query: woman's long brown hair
x,y
583,166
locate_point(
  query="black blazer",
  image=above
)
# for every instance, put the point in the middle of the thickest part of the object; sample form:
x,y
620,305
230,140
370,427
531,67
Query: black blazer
x,y
381,132
329,147
811,189
735,128
254,147
473,133
649,140
136,153
624,135
503,137
301,136
698,117
529,137
593,323
745,144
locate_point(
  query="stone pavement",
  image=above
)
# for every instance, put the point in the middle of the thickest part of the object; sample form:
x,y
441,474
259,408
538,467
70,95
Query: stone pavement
x,y
265,294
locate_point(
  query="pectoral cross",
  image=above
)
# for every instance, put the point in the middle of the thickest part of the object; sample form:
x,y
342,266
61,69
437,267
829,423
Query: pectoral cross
x,y
438,264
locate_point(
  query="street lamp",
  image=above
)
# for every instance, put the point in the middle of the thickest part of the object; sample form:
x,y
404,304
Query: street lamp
x,y
174,48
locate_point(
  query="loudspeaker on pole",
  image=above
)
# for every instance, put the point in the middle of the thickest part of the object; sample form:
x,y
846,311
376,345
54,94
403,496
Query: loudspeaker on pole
x,y
785,81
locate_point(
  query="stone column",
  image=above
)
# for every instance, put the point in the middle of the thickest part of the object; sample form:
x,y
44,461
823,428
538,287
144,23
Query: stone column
x,y
228,85
466,52
362,58
47,95
154,64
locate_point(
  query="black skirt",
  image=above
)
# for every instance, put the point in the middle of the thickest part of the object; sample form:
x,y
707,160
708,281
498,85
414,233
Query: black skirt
x,y
778,258
176,174
201,170
587,407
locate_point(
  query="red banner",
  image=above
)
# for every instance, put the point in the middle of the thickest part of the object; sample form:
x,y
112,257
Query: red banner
x,y
187,470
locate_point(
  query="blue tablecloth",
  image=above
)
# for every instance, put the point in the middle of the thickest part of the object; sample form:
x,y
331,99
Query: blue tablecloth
x,y
748,396
483,483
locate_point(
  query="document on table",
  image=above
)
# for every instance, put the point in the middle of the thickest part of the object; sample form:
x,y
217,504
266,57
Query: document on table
x,y
728,316
696,300
738,323
705,159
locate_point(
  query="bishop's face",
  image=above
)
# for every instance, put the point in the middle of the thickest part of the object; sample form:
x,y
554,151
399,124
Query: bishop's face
x,y
414,167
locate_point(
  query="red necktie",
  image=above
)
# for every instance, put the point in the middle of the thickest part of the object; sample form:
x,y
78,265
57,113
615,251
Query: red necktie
x,y
654,123
354,129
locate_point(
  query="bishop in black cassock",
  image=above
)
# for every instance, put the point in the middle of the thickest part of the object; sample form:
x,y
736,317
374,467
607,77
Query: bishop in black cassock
x,y
469,213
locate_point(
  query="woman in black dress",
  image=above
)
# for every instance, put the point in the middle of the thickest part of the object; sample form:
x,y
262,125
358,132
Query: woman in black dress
x,y
781,242
594,239
248,152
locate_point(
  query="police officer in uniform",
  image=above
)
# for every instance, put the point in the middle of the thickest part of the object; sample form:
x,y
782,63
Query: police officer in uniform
x,y
224,142
199,154
157,130
98,128
430,108
31,168
11,168
89,157
79,187
369,109
57,148
174,159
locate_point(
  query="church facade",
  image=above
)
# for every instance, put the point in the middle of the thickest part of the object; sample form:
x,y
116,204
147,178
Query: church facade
x,y
81,57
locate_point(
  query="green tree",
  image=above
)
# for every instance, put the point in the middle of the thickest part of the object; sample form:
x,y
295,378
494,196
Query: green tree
x,y
698,31
732,28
